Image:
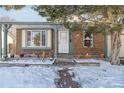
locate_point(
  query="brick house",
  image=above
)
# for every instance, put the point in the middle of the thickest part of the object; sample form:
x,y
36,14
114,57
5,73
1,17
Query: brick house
x,y
36,39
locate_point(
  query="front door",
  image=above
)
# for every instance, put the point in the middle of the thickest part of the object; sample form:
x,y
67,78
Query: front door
x,y
122,46
63,44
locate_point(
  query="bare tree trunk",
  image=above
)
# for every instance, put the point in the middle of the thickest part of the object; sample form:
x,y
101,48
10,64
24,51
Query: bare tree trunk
x,y
115,49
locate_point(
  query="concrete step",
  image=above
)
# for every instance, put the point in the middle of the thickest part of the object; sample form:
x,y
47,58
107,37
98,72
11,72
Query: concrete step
x,y
122,62
64,61
65,56
87,63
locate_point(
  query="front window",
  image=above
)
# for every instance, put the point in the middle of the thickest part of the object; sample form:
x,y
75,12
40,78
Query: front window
x,y
87,39
37,38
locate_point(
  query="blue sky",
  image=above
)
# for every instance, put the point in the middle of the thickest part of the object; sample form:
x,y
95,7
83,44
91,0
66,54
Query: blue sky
x,y
23,15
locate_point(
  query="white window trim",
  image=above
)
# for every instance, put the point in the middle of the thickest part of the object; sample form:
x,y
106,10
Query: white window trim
x,y
90,39
40,39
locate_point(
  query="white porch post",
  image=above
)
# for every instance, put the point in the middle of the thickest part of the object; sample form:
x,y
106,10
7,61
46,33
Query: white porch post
x,y
0,41
55,43
4,41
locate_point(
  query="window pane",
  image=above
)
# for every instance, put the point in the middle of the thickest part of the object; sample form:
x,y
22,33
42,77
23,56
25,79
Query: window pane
x,y
87,43
88,35
43,38
29,38
36,38
88,39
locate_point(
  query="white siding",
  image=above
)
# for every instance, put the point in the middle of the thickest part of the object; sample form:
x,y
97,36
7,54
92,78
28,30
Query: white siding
x,y
109,45
121,54
122,45
49,39
9,40
23,38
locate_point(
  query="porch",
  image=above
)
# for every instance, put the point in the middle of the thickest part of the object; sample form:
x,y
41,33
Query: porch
x,y
61,48
4,28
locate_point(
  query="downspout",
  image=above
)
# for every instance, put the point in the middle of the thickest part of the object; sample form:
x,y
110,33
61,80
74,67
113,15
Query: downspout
x,y
106,44
55,42
71,48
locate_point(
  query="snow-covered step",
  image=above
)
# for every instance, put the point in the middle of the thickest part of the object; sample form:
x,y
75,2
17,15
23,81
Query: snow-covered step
x,y
64,55
64,61
27,62
87,62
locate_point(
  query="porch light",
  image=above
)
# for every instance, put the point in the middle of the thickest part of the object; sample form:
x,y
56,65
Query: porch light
x,y
77,34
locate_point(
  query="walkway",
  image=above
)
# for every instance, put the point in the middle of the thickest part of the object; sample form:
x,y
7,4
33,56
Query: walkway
x,y
65,80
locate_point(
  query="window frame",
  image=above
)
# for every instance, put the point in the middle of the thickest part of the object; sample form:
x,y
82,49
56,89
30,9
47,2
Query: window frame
x,y
40,31
92,40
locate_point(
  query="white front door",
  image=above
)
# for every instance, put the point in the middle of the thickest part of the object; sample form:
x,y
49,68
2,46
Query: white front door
x,y
122,46
63,44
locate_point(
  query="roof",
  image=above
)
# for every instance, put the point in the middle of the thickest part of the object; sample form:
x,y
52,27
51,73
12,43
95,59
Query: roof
x,y
31,23
35,25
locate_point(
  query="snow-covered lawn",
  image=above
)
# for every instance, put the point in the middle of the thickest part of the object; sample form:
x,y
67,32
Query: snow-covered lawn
x,y
42,77
30,61
39,76
104,76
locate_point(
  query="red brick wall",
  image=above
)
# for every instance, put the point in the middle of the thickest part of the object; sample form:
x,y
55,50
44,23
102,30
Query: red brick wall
x,y
12,48
18,41
98,43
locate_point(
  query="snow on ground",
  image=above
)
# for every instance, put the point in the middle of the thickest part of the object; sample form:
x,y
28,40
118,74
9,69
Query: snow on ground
x,y
23,77
86,60
106,75
30,61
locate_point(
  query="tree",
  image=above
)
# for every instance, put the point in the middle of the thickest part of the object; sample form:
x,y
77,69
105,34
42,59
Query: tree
x,y
6,19
98,18
9,7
